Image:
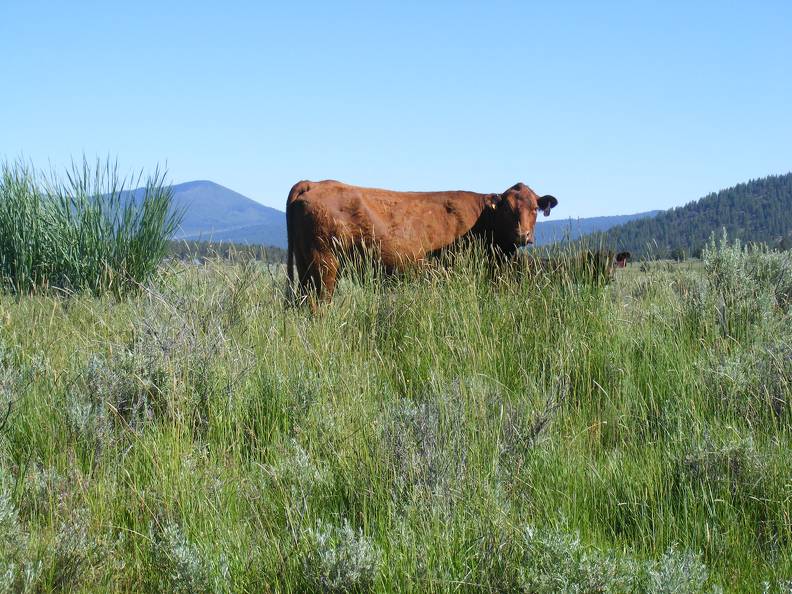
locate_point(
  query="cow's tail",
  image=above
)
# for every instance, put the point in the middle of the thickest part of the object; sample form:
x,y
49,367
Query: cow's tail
x,y
291,290
290,250
291,235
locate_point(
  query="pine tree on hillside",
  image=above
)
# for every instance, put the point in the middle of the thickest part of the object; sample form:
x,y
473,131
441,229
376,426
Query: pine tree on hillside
x,y
759,211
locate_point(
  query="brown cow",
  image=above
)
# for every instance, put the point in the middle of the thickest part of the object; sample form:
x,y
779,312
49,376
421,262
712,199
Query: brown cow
x,y
328,220
621,259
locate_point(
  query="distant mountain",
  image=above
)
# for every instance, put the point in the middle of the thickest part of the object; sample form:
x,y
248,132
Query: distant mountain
x,y
570,229
758,211
215,213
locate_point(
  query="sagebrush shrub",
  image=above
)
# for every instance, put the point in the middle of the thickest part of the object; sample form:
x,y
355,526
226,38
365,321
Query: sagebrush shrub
x,y
555,561
677,571
296,470
182,565
773,270
119,393
339,558
19,570
733,469
424,446
165,371
10,530
70,552
744,285
752,380
14,380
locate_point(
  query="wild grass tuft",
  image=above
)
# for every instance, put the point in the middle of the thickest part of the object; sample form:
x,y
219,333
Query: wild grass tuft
x,y
85,231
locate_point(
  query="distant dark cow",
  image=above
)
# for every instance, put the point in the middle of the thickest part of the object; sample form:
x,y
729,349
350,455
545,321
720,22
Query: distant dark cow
x,y
621,259
328,220
595,266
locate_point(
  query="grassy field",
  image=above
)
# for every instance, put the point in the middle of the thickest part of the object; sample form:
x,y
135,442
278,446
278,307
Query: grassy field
x,y
441,432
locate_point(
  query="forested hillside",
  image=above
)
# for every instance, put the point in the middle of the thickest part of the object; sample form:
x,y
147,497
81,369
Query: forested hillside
x,y
570,229
757,211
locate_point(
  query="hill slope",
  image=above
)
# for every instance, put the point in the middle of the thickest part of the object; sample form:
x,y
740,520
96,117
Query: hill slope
x,y
757,211
213,212
569,229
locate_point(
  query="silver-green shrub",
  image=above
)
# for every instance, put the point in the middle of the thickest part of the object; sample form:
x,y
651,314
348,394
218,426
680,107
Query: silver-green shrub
x,y
339,558
555,561
182,565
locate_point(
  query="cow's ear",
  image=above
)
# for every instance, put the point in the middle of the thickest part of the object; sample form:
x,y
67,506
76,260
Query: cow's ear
x,y
493,200
546,203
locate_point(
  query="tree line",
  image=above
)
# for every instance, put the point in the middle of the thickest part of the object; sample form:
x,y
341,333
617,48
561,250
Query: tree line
x,y
758,211
201,250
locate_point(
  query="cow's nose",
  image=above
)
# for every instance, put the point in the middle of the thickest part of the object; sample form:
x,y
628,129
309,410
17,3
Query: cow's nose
x,y
527,239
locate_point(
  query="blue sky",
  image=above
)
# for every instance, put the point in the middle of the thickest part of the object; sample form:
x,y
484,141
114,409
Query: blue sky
x,y
612,107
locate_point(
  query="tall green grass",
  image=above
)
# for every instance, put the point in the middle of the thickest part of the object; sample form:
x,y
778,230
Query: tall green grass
x,y
83,231
447,431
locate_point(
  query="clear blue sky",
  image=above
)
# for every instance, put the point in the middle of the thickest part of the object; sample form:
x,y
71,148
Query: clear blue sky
x,y
612,107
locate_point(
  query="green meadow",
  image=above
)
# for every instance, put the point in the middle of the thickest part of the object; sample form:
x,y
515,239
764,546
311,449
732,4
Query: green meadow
x,y
444,432
452,430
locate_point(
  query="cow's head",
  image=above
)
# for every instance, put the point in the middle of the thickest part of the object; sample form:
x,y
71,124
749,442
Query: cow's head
x,y
599,265
621,259
515,214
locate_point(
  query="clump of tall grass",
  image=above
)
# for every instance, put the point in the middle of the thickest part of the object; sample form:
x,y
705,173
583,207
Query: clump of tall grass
x,y
88,231
522,428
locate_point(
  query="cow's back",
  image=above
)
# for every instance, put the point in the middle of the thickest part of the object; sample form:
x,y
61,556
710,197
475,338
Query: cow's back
x,y
401,225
